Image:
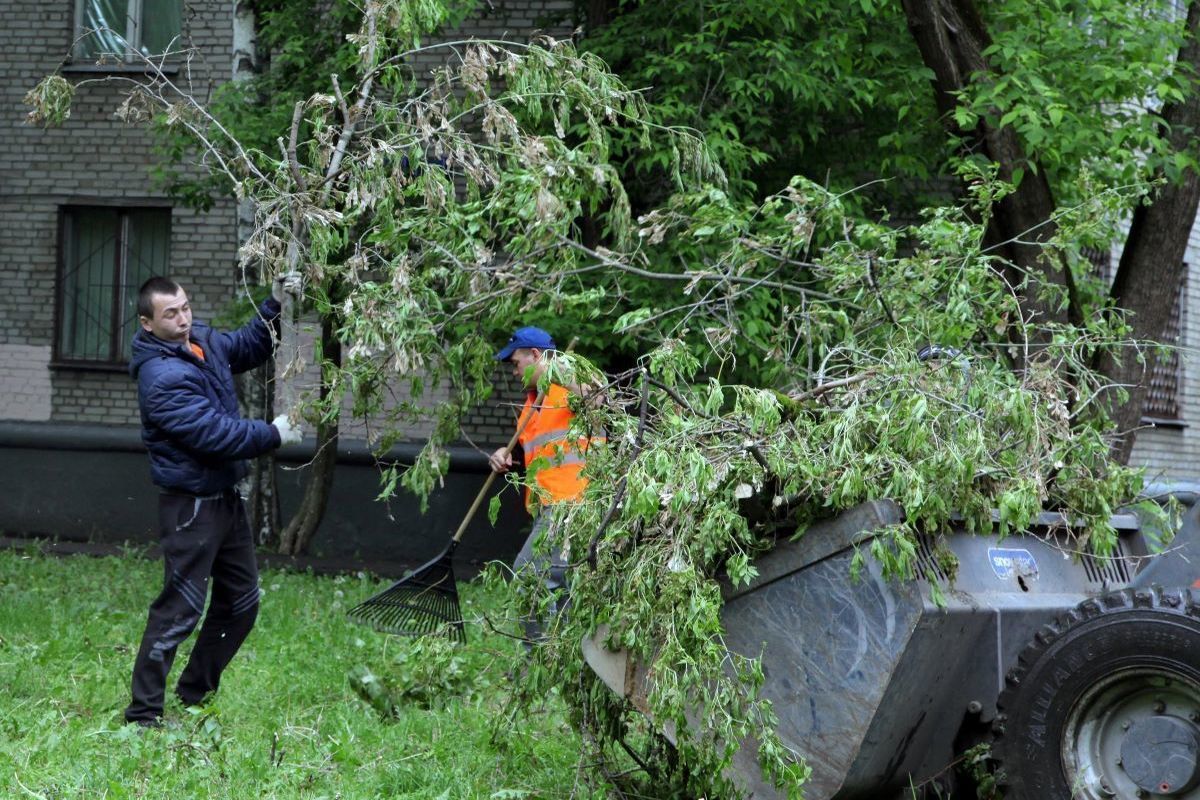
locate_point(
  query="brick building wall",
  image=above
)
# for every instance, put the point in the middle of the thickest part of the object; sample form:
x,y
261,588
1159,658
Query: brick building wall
x,y
26,382
96,160
92,160
486,426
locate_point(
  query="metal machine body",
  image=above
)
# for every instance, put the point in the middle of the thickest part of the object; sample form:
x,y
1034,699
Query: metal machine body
x,y
871,680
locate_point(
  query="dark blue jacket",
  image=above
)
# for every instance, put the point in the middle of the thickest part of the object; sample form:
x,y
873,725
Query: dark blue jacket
x,y
190,420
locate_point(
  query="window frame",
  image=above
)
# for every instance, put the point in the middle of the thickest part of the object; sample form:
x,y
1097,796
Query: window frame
x,y
1173,368
116,361
131,35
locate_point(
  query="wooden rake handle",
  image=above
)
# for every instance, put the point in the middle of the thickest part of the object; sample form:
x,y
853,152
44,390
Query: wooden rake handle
x,y
487,484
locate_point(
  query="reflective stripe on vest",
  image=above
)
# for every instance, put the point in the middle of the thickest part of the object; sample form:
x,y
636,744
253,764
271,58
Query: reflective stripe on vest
x,y
545,437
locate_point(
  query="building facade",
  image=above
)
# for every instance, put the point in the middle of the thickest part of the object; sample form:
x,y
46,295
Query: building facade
x,y
82,223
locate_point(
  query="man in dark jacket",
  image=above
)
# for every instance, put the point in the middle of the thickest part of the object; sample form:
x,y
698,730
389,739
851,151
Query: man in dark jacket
x,y
197,442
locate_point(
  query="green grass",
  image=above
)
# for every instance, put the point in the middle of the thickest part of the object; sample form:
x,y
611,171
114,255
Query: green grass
x,y
286,723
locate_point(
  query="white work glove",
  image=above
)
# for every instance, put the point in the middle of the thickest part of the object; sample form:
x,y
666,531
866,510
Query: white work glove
x,y
288,433
287,283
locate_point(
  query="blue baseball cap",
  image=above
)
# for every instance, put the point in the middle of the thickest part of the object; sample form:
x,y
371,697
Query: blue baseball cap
x,y
526,337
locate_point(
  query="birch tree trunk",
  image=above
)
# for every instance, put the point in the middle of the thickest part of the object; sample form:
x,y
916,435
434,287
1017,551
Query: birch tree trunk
x,y
257,385
301,528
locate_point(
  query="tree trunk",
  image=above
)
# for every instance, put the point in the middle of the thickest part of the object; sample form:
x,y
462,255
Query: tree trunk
x,y
952,38
261,498
257,384
1149,273
598,13
303,526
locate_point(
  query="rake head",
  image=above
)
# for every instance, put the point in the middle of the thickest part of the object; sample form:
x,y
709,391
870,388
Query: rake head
x,y
421,603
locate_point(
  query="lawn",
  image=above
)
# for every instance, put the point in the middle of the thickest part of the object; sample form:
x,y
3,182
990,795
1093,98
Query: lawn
x,y
287,723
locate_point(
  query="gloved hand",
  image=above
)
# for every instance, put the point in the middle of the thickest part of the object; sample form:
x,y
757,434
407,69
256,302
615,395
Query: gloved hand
x,y
287,283
288,433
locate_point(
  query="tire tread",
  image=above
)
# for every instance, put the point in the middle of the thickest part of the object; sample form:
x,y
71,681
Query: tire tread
x,y
1185,602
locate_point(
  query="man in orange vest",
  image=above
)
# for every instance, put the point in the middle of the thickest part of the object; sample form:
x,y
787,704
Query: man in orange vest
x,y
552,454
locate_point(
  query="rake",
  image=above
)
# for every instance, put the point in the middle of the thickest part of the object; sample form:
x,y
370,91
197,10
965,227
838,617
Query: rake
x,y
426,600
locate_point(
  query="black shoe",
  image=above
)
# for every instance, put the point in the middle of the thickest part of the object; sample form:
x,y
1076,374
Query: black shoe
x,y
188,702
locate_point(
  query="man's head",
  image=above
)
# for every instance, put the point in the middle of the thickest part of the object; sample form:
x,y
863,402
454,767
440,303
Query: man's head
x,y
524,350
163,310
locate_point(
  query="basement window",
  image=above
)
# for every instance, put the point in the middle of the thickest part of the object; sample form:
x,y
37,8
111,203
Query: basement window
x,y
126,30
105,254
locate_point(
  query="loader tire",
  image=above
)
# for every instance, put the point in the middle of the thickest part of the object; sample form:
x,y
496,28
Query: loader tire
x,y
1105,703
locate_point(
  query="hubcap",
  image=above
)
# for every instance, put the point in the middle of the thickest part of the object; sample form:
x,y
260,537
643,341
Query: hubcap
x,y
1159,754
1134,734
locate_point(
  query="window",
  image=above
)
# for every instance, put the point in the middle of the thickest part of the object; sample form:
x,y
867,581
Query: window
x,y
1162,403
1162,395
126,29
105,256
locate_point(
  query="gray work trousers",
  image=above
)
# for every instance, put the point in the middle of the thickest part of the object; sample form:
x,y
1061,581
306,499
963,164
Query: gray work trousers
x,y
548,564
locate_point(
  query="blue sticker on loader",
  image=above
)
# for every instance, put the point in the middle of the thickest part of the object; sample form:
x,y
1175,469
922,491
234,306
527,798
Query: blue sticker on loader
x,y
1007,562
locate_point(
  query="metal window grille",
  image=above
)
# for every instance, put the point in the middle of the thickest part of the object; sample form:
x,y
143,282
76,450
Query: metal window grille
x,y
104,256
1163,393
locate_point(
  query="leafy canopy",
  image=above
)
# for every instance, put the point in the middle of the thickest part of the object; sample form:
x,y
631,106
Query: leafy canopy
x,y
838,91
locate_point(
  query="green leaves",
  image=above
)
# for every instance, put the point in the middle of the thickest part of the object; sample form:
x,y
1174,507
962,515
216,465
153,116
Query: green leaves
x,y
686,501
50,101
1076,86
778,88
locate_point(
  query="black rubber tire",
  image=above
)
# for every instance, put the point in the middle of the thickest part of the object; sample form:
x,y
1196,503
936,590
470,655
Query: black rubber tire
x,y
1130,629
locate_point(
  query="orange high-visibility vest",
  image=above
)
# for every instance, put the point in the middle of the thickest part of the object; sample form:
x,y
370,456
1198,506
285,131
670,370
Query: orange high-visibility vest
x,y
545,435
